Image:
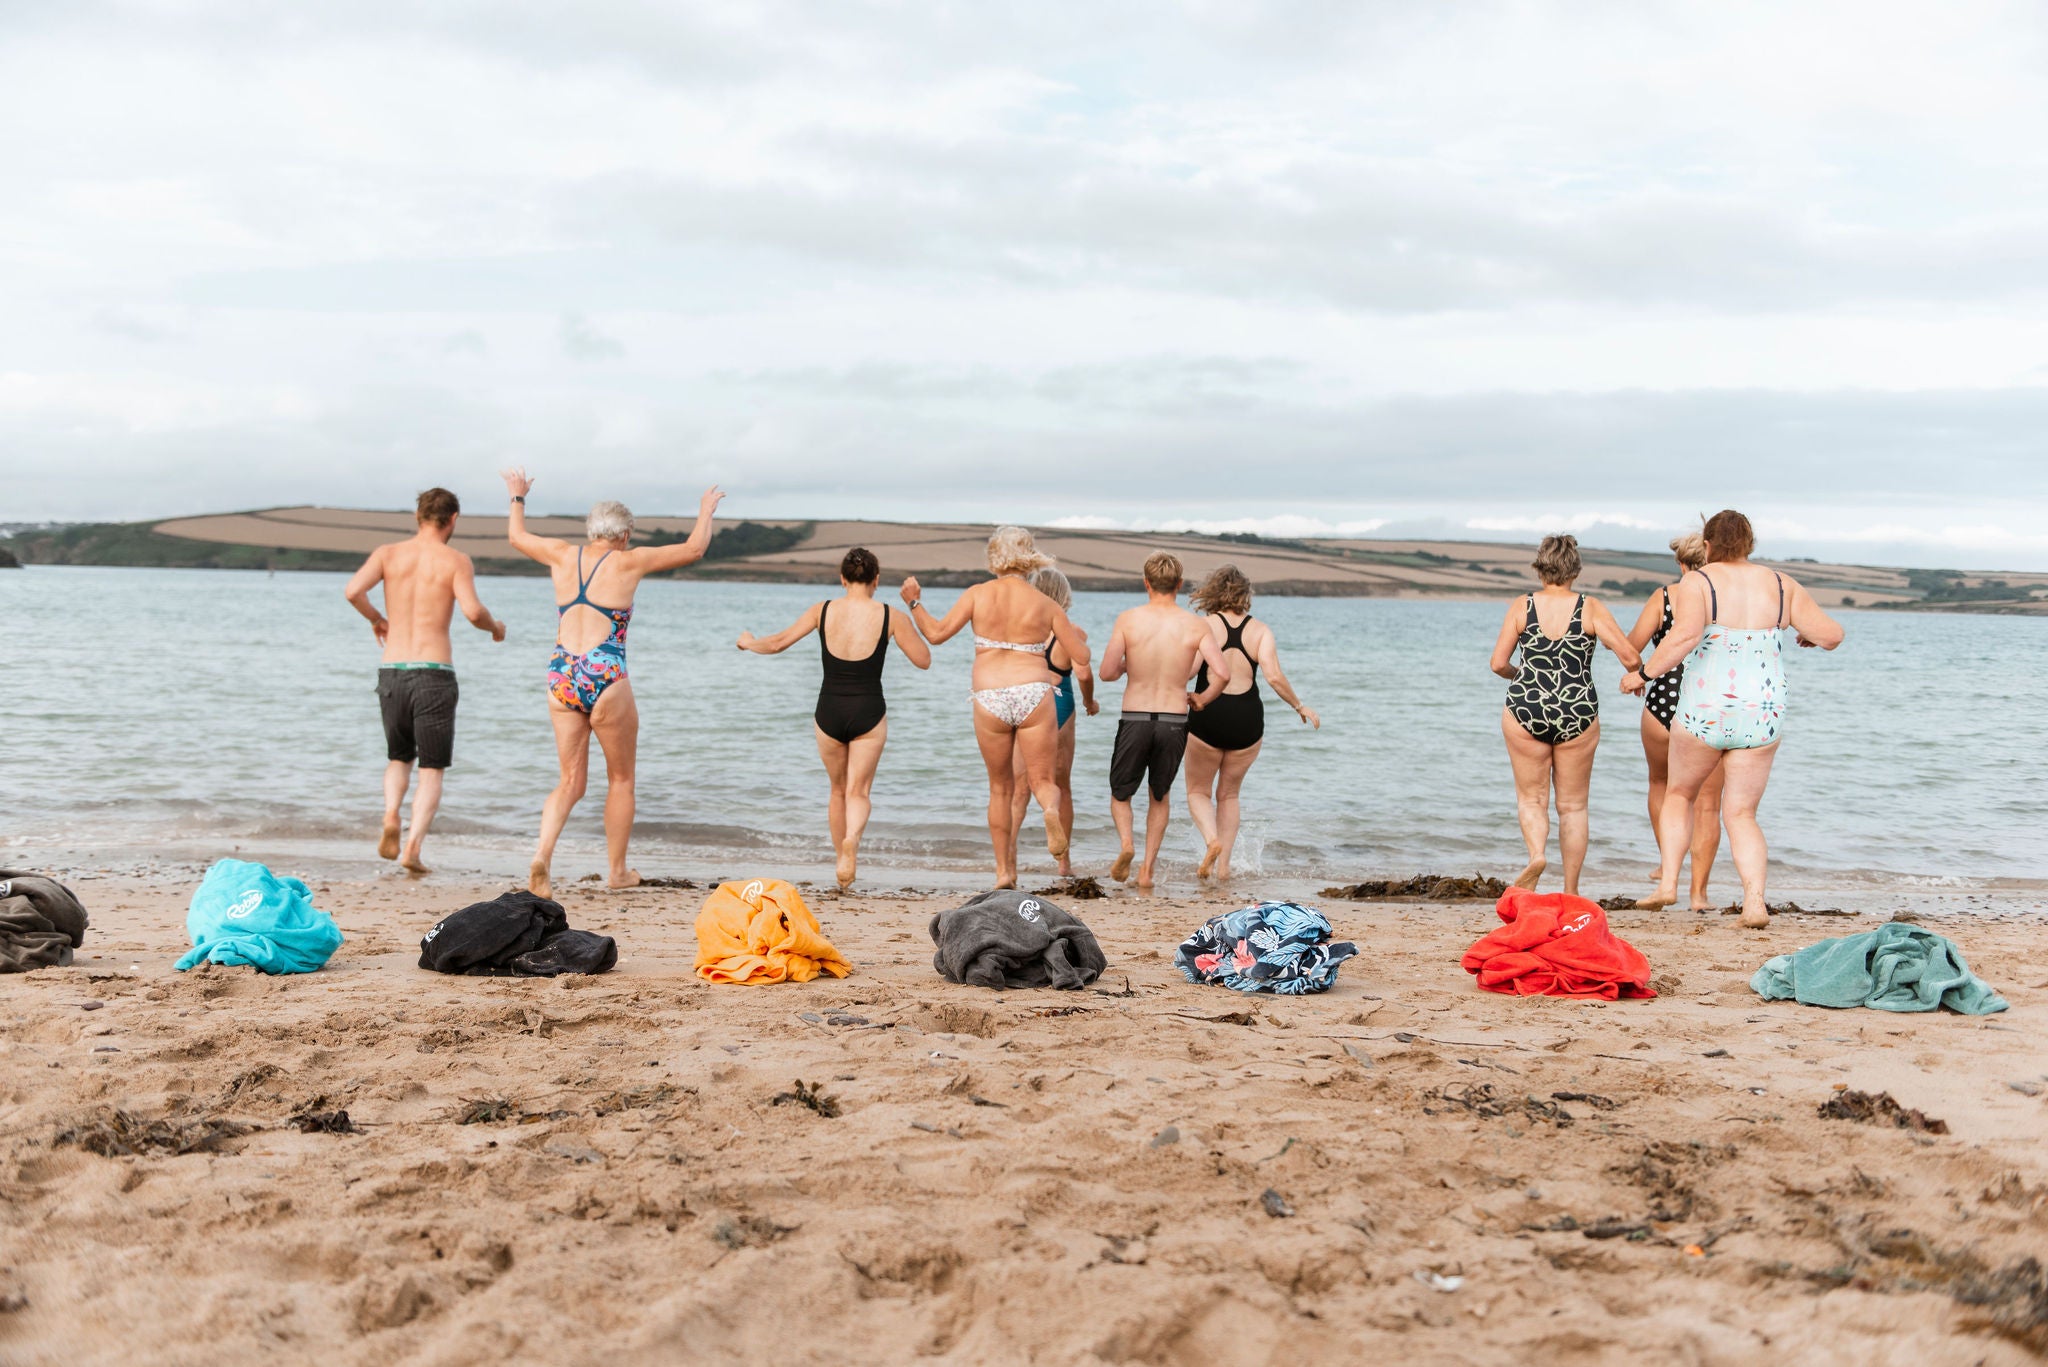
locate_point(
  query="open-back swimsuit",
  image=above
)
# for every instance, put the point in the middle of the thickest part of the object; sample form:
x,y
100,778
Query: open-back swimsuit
x,y
578,681
1552,695
1734,694
1014,704
850,700
1063,691
1233,721
1661,694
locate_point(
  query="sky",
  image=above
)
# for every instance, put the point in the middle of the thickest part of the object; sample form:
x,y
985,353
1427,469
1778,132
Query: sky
x,y
1474,270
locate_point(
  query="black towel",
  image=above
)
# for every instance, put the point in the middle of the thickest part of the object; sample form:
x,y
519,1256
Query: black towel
x,y
41,922
1007,938
514,935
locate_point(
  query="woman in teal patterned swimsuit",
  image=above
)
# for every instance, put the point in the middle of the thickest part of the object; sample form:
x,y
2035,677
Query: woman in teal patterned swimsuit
x,y
1551,719
1727,625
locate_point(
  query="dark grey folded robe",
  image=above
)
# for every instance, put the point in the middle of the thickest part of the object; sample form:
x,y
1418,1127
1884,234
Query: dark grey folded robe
x,y
1008,938
41,922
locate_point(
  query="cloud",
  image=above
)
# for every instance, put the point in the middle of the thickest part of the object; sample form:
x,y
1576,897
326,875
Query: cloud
x,y
582,342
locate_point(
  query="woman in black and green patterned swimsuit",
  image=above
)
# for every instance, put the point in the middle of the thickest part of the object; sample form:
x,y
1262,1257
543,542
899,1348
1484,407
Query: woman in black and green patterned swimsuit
x,y
1551,719
1660,705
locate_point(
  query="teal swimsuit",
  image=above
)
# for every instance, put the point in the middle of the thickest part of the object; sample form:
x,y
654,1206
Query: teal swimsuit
x,y
1734,686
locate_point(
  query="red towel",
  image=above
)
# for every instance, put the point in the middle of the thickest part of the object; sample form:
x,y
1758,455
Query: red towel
x,y
1556,946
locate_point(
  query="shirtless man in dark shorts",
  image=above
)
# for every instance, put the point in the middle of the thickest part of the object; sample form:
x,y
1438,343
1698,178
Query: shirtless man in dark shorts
x,y
1157,646
424,578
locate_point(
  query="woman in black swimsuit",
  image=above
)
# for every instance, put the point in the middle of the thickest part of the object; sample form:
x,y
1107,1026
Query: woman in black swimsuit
x,y
1660,705
1551,720
1224,737
851,719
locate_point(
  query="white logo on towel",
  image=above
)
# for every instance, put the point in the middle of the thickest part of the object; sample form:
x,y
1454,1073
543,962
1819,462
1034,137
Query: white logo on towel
x,y
7,888
1028,909
1577,923
752,893
247,903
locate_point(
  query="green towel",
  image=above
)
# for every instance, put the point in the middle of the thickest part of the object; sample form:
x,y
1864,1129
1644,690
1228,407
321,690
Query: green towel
x,y
1897,967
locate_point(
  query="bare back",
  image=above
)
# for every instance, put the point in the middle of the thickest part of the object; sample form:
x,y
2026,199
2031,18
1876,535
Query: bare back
x,y
613,579
1745,596
853,625
1161,643
1257,637
1008,609
420,577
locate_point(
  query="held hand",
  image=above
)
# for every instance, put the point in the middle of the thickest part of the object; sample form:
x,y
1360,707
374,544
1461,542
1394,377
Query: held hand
x,y
1308,714
912,592
1194,703
746,641
708,505
1805,644
1639,686
1093,707
517,481
497,630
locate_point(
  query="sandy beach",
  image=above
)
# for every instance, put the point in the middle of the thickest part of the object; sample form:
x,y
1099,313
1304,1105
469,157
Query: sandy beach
x,y
589,1170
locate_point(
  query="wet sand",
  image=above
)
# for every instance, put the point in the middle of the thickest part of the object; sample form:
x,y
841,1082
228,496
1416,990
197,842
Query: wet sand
x,y
1153,1172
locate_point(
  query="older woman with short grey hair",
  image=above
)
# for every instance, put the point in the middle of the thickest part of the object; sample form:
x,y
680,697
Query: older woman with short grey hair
x,y
588,691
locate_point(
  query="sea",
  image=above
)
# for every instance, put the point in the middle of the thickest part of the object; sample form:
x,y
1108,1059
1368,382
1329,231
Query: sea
x,y
164,717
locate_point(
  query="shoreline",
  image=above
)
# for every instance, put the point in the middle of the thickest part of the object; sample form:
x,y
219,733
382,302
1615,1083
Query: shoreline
x,y
1189,1173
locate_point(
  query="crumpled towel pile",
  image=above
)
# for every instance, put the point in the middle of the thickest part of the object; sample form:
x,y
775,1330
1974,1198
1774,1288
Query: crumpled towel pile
x,y
1277,947
41,922
1554,945
1897,967
1007,938
243,913
515,934
761,932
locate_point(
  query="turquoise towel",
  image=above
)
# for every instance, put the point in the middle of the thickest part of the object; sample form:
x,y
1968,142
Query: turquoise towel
x,y
1897,967
245,914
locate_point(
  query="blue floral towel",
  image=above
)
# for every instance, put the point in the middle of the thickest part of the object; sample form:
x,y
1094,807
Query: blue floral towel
x,y
245,914
1272,947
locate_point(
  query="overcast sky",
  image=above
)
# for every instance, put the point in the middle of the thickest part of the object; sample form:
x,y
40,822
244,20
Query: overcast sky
x,y
1470,269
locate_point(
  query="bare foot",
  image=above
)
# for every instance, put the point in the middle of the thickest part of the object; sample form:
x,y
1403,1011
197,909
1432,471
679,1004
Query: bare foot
x,y
1528,876
412,865
1656,901
537,881
631,880
387,844
1121,869
1007,886
1755,918
1144,878
1702,904
845,869
1066,867
1055,838
1208,860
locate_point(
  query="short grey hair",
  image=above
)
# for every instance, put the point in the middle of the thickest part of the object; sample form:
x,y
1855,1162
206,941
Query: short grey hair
x,y
1050,582
610,520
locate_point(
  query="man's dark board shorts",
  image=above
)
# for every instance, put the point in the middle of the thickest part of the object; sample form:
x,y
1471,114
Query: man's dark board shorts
x,y
1147,743
419,714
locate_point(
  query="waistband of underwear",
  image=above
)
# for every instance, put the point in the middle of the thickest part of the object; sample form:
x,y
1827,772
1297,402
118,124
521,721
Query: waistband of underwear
x,y
416,664
1153,716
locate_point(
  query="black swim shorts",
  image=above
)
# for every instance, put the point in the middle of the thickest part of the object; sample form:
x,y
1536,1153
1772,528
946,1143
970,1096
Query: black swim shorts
x,y
419,714
1147,744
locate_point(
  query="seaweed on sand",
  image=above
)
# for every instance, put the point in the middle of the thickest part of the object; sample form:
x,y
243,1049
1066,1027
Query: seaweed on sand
x,y
1425,887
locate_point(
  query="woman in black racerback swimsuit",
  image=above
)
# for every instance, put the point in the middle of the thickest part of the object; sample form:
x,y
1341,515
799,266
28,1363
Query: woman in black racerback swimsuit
x,y
1660,705
851,718
1224,737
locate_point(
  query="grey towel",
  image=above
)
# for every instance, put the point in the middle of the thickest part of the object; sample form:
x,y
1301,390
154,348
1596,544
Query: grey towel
x,y
41,922
1007,938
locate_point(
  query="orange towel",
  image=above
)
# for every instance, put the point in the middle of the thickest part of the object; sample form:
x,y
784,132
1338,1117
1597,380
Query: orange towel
x,y
761,932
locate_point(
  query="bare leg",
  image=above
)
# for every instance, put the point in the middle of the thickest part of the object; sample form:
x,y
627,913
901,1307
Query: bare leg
x,y
572,750
397,774
1706,835
1691,761
1748,771
1657,754
1156,814
863,755
833,754
1531,761
1039,740
1229,779
1572,772
1120,813
998,743
1020,793
1063,776
1202,762
616,720
426,800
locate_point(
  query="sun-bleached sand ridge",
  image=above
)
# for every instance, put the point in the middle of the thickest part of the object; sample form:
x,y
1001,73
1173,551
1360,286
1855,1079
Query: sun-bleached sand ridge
x,y
623,1169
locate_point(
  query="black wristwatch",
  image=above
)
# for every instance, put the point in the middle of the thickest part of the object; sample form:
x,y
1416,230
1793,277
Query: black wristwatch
x,y
519,498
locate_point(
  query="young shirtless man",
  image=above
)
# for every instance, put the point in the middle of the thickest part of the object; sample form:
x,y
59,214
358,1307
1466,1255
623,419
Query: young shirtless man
x,y
424,578
1157,646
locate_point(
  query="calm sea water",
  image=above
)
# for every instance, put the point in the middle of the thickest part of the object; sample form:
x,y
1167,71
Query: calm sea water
x,y
187,711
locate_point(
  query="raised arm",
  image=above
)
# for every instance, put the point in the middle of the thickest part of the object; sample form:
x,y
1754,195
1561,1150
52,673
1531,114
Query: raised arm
x,y
1610,633
1815,627
656,559
785,638
904,633
472,606
357,591
545,549
1648,620
1269,660
1503,662
1688,624
938,630
1211,655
